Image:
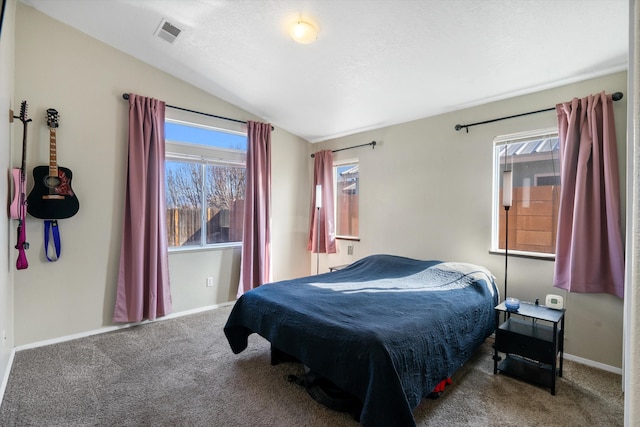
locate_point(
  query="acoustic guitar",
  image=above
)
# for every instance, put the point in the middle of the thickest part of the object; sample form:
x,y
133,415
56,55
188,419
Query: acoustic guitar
x,y
52,196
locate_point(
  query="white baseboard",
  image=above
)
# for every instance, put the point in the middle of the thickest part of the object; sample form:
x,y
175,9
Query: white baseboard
x,y
117,327
593,364
5,378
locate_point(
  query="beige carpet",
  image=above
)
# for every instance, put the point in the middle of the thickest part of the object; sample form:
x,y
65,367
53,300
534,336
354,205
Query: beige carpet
x,y
181,372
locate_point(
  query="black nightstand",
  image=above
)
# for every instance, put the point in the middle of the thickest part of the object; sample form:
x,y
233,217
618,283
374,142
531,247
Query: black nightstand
x,y
533,343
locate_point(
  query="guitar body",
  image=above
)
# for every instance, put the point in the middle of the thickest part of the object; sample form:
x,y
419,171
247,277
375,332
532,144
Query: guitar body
x,y
52,196
19,193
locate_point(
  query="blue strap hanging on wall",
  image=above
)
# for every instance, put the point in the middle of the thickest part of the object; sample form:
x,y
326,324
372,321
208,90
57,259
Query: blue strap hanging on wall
x,y
51,228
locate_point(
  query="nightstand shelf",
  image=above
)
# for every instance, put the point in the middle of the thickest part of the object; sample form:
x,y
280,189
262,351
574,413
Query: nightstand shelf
x,y
532,342
527,370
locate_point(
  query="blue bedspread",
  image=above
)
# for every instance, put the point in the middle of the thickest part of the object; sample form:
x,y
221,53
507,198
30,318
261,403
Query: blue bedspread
x,y
387,329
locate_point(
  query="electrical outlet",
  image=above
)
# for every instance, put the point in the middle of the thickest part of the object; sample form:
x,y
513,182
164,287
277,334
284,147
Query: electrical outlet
x,y
209,282
350,250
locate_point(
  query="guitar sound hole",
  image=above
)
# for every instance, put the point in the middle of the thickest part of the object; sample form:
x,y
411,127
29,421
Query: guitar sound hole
x,y
52,181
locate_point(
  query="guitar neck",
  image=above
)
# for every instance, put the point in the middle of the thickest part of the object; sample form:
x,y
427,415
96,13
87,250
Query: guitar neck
x,y
53,154
23,168
25,121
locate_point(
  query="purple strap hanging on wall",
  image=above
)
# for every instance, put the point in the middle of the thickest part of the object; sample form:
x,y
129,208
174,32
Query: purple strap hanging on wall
x,y
51,229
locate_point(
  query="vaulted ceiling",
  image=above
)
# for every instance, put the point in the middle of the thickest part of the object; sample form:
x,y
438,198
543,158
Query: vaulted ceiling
x,y
374,63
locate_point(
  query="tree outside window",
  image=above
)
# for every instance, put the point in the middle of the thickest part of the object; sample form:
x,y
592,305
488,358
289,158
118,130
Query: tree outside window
x,y
212,178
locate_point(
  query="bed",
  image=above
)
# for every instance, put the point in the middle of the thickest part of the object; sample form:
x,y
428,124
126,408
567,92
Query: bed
x,y
386,329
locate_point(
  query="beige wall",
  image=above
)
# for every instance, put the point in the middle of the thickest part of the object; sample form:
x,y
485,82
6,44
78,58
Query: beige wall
x,y
7,253
632,297
83,79
59,67
441,180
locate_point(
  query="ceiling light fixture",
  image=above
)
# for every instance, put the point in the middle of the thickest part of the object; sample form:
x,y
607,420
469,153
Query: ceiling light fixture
x,y
303,32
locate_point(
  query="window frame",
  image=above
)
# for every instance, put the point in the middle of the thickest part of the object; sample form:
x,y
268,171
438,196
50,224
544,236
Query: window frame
x,y
203,156
496,198
335,166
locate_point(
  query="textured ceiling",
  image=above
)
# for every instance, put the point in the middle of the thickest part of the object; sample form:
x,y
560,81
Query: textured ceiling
x,y
375,62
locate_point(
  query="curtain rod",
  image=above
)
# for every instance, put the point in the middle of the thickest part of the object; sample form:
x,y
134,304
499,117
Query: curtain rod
x,y
372,144
615,96
126,96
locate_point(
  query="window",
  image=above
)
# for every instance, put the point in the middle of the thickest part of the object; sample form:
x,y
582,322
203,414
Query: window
x,y
533,158
347,193
205,185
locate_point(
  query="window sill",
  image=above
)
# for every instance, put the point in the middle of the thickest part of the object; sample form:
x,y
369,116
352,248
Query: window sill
x,y
222,246
522,254
351,238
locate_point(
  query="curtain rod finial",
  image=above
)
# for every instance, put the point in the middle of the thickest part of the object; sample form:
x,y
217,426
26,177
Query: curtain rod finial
x,y
617,96
125,96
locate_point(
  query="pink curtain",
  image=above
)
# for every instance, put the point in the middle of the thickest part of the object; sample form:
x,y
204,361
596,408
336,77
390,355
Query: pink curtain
x,y
143,280
255,269
323,175
589,254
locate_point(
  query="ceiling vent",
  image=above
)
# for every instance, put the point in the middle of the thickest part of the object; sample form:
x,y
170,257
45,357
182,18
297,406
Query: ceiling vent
x,y
167,31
